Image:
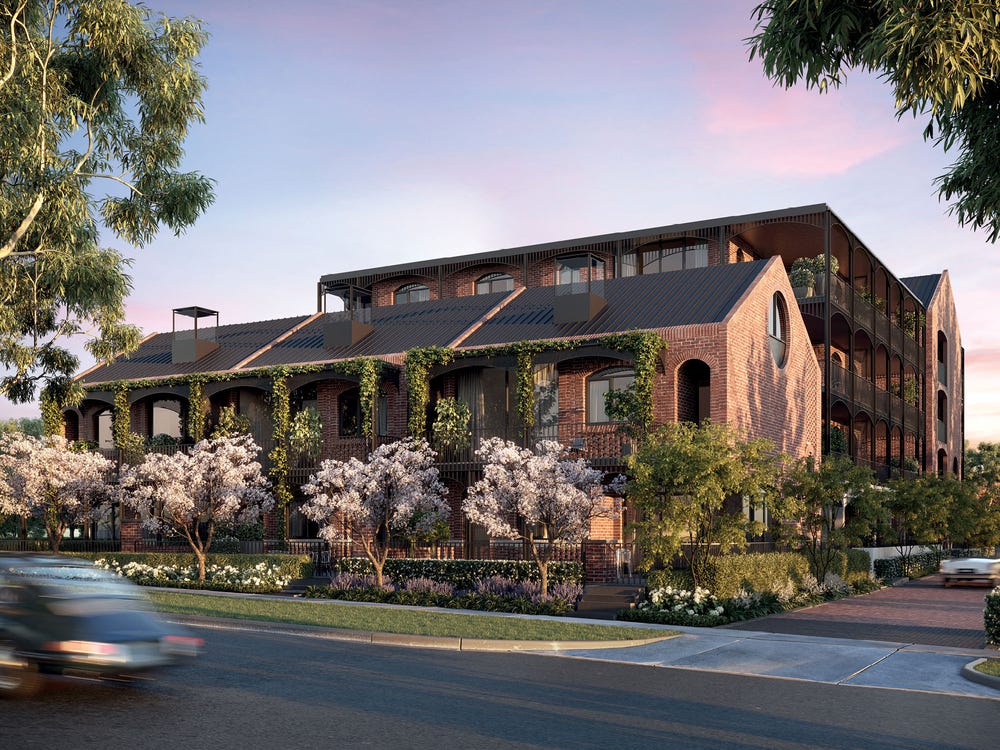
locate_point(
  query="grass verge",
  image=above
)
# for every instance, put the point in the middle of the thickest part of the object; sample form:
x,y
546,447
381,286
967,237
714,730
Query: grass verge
x,y
392,620
990,667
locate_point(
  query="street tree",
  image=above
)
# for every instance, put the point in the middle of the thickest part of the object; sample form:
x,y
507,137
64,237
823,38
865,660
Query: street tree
x,y
97,98
542,497
942,61
396,492
190,494
689,482
828,508
925,510
44,478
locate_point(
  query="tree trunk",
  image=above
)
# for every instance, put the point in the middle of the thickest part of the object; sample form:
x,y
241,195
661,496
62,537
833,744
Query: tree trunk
x,y
201,564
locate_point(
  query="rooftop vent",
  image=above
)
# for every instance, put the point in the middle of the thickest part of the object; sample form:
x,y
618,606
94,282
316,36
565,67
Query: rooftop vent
x,y
192,345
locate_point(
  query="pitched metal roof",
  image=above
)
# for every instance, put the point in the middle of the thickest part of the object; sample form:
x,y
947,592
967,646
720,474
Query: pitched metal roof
x,y
663,300
153,359
395,329
923,287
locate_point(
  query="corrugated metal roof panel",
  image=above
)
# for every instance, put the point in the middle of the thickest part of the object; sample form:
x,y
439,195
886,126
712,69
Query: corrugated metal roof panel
x,y
153,358
923,287
395,329
664,300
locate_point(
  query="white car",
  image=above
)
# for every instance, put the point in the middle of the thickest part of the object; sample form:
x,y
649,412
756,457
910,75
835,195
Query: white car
x,y
970,569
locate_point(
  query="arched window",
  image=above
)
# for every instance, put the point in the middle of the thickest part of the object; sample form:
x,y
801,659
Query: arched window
x,y
942,357
600,384
495,282
777,328
412,293
669,255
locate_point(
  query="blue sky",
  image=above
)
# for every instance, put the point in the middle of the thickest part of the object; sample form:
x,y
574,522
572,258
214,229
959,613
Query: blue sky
x,y
347,134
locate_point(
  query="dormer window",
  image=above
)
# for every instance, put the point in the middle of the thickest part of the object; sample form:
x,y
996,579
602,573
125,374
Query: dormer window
x,y
412,293
669,255
495,282
579,269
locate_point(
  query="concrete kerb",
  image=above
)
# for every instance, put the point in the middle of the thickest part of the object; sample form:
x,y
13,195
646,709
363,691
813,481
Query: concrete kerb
x,y
970,672
446,643
449,643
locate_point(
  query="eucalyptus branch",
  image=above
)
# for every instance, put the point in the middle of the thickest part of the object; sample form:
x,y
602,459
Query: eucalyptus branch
x,y
8,247
13,44
120,180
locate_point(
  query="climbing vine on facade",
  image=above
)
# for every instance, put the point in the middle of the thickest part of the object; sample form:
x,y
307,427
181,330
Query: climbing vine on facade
x,y
281,408
644,346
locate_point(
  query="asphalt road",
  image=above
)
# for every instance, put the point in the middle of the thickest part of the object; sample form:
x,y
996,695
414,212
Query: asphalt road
x,y
261,690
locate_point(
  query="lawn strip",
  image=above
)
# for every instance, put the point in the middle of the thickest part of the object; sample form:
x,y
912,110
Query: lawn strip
x,y
395,620
990,667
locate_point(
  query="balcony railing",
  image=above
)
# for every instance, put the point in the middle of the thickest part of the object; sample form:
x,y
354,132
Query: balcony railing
x,y
601,444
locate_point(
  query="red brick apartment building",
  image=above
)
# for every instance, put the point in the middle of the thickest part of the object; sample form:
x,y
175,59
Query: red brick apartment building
x,y
863,361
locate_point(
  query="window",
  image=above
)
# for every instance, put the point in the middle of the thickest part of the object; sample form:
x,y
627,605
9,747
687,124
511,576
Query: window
x,y
412,293
349,413
599,385
665,256
777,328
495,282
573,270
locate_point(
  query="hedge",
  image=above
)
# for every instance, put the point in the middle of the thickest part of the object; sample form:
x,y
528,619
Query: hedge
x,y
915,566
291,566
469,600
991,617
766,571
462,574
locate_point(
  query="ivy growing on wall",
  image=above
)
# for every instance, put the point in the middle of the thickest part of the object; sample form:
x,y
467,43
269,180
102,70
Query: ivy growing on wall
x,y
125,440
416,368
52,416
281,408
197,409
644,346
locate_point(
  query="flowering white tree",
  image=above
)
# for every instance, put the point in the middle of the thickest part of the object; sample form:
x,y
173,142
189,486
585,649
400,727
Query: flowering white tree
x,y
553,497
397,488
220,481
45,478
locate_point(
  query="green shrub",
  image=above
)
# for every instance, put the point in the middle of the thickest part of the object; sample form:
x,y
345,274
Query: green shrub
x,y
991,617
851,565
481,602
679,579
915,566
462,574
726,575
290,566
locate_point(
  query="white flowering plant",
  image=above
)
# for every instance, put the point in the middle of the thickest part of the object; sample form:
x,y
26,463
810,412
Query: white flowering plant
x,y
396,491
188,495
553,496
46,478
261,578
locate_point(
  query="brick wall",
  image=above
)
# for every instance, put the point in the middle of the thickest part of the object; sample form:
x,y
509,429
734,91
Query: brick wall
x,y
463,283
383,291
941,316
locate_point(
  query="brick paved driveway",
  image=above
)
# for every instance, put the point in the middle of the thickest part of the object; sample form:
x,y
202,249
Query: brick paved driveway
x,y
921,611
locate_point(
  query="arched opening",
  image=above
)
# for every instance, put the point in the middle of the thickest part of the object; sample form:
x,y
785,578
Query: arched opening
x,y
694,391
954,466
599,385
495,282
666,255
415,292
71,425
895,452
253,405
840,429
166,419
882,448
864,443
102,431
942,358
942,462
863,355
942,416
777,328
882,367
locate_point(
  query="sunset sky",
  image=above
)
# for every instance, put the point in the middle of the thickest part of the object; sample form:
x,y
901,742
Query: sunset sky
x,y
344,135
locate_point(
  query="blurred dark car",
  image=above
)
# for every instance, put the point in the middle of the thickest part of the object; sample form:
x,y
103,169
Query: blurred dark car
x,y
64,616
